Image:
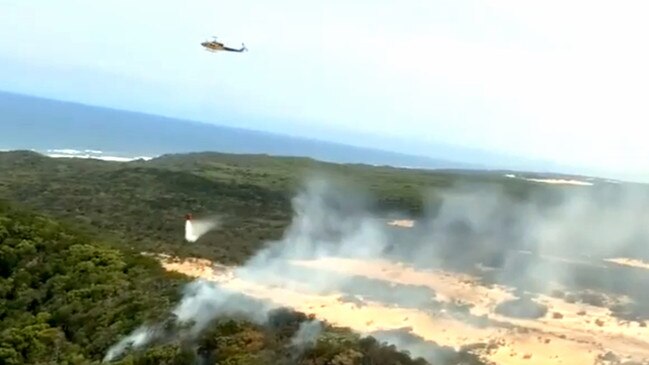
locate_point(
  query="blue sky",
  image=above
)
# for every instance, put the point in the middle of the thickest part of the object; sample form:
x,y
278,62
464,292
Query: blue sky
x,y
565,81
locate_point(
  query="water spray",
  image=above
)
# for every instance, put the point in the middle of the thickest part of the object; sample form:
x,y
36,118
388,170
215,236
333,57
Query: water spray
x,y
195,228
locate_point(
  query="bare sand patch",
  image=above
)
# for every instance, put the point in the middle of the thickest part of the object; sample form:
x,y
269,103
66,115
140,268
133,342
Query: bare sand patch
x,y
552,181
560,181
448,286
566,260
404,223
570,333
629,262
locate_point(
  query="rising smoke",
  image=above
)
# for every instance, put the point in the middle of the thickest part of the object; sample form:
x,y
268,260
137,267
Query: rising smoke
x,y
306,335
465,228
327,223
202,302
135,340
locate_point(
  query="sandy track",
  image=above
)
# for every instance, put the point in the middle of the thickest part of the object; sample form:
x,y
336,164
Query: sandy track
x,y
629,262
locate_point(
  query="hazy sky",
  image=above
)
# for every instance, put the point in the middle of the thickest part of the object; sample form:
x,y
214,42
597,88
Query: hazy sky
x,y
562,80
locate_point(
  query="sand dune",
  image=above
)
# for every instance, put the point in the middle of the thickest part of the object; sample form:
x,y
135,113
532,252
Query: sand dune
x,y
561,181
405,223
552,181
629,262
568,334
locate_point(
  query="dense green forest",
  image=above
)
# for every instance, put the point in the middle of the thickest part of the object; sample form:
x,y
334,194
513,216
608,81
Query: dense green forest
x,y
73,281
141,204
66,297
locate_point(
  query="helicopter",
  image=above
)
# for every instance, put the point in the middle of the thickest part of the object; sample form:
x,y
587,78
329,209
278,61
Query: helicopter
x,y
214,46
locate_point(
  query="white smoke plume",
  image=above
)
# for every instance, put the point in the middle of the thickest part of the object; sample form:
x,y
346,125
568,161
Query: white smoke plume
x,y
464,228
306,335
139,338
202,302
326,223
